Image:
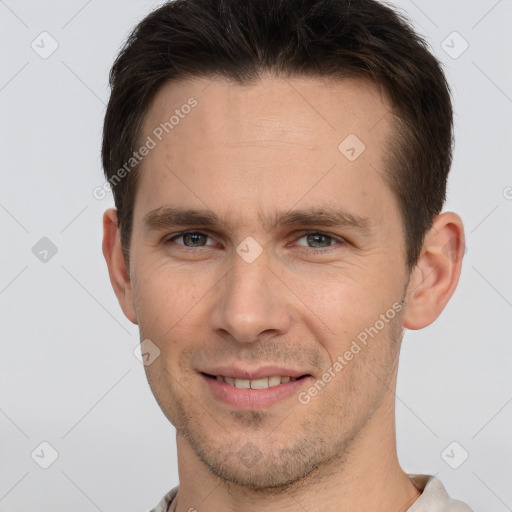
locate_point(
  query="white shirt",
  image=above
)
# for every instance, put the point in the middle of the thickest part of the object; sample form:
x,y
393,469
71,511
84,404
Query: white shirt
x,y
434,497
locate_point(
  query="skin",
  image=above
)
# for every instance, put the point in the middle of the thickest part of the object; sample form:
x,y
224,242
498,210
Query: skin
x,y
246,152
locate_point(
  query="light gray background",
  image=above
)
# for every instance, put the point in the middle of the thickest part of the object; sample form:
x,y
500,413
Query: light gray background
x,y
68,375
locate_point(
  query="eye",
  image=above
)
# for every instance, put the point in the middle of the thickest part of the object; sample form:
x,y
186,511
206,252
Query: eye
x,y
191,239
318,240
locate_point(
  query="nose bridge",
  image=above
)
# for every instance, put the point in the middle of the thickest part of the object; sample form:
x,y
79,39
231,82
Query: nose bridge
x,y
250,302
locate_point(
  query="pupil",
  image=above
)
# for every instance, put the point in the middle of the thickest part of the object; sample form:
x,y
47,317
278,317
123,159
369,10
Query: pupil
x,y
193,239
318,240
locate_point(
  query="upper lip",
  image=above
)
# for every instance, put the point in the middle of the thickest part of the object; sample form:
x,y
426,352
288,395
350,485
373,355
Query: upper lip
x,y
237,372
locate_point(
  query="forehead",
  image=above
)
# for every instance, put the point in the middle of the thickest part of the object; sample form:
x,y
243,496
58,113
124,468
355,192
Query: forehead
x,y
308,108
277,140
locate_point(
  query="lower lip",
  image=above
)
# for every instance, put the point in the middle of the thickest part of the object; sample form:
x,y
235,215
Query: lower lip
x,y
251,399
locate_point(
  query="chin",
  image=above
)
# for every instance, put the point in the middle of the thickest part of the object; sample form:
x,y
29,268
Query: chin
x,y
259,465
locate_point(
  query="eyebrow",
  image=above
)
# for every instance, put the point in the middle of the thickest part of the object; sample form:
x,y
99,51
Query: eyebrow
x,y
174,216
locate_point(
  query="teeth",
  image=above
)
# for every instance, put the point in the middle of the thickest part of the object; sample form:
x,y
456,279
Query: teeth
x,y
259,383
243,383
264,383
274,381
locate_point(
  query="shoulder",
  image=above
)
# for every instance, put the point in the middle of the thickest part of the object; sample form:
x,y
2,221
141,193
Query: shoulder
x,y
434,497
165,503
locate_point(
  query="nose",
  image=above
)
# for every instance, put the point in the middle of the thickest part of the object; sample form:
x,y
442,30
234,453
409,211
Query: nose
x,y
250,301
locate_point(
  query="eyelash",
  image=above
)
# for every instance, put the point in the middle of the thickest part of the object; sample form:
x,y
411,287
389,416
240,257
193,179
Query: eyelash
x,y
309,250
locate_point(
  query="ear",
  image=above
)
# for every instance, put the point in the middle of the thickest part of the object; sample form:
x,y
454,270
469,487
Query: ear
x,y
436,274
117,268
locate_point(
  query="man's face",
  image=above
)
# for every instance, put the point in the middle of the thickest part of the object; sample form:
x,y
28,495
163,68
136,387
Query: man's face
x,y
260,290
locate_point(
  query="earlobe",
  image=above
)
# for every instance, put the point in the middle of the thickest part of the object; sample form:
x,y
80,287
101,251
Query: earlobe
x,y
117,268
436,274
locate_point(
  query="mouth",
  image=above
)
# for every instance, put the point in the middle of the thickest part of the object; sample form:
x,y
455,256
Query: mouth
x,y
259,393
261,383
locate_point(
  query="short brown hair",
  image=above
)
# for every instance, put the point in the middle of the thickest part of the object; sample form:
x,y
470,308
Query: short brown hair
x,y
241,39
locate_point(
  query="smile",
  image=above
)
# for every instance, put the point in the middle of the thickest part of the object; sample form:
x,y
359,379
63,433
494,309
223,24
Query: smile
x,y
262,383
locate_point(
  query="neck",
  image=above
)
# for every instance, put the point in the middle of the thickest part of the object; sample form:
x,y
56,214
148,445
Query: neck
x,y
367,477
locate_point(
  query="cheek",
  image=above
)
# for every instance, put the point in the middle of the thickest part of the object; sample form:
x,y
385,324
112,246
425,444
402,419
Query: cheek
x,y
341,303
167,291
166,301
340,310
